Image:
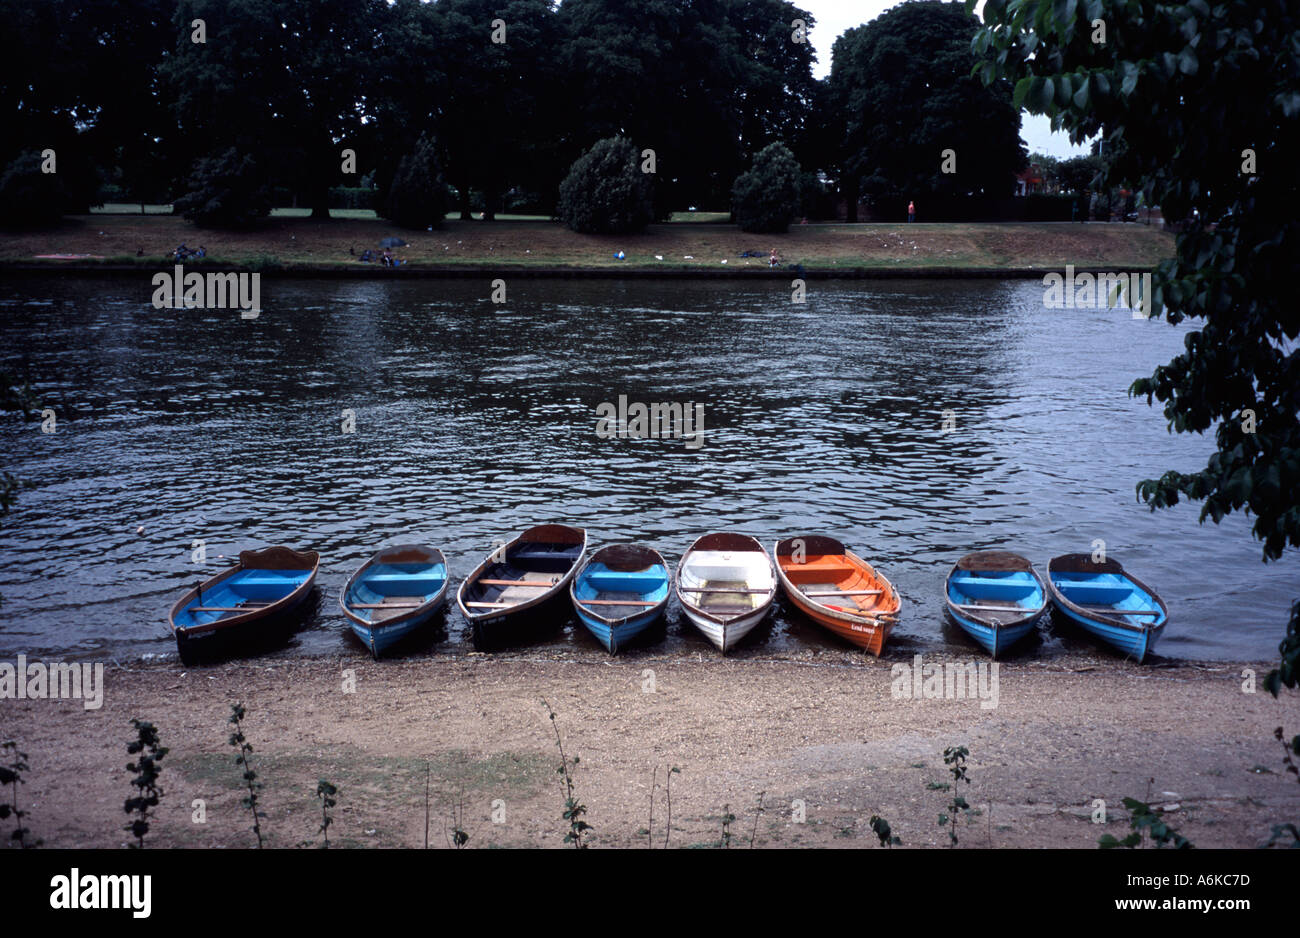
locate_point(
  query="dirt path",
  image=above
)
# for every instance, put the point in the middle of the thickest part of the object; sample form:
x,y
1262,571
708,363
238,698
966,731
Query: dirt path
x,y
823,731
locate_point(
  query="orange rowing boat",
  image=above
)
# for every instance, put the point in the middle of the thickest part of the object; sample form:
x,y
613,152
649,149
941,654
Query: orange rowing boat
x,y
837,589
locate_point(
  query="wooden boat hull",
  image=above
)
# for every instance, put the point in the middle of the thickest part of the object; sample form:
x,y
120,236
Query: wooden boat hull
x,y
1008,585
410,580
814,563
726,584
253,600
494,599
1108,602
620,572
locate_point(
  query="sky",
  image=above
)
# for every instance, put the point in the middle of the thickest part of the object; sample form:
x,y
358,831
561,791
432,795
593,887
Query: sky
x,y
833,17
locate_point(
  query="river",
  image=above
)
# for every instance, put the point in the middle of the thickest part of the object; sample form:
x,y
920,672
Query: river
x,y
475,419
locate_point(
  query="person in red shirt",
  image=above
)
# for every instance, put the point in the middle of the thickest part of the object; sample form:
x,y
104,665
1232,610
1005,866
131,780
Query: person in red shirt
x,y
911,211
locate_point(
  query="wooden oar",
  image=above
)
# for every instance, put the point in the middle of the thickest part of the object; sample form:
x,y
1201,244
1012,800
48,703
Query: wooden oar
x,y
246,608
720,589
385,605
843,592
492,605
615,602
977,608
1112,611
537,583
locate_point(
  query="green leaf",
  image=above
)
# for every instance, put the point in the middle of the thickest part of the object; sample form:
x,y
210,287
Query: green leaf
x,y
1130,78
1187,62
1022,89
1042,96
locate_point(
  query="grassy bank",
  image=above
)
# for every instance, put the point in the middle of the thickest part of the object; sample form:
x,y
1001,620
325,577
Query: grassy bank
x,y
294,242
825,731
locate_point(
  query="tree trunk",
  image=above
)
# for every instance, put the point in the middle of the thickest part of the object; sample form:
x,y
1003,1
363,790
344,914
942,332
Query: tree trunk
x,y
320,201
851,194
465,214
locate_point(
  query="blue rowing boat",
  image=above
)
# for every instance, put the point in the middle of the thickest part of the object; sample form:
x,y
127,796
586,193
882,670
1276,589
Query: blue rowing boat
x,y
620,592
248,602
394,593
1118,608
996,597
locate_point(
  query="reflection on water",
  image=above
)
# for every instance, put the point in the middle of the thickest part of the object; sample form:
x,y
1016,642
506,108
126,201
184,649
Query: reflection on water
x,y
475,420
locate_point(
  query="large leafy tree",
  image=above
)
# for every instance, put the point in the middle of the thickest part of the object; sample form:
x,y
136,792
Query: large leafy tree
x,y
280,80
606,191
767,196
706,84
1205,99
501,101
904,88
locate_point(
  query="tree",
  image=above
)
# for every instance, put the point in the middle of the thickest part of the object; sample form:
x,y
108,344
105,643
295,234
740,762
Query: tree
x,y
29,198
417,197
767,197
1168,84
1078,173
226,191
280,80
903,87
685,78
606,191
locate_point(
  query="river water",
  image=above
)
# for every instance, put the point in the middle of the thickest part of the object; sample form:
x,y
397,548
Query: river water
x,y
474,420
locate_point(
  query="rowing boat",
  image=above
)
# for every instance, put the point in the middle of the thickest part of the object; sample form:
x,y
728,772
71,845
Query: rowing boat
x,y
620,592
996,597
1113,605
393,593
522,585
726,584
837,589
252,599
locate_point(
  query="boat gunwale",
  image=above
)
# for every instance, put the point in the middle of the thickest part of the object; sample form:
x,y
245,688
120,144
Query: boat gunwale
x,y
1107,618
554,590
380,556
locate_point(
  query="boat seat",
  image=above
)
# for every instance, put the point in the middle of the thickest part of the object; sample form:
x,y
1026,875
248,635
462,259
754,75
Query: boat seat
x,y
1099,594
543,554
793,568
271,580
400,577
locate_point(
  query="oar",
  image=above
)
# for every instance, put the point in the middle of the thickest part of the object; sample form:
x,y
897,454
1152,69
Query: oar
x,y
534,583
615,602
385,605
248,608
1112,611
977,608
843,593
720,589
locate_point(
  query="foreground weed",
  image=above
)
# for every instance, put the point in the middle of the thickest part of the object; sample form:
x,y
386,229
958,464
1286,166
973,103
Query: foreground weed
x,y
573,808
880,827
1290,749
11,774
326,792
146,769
240,743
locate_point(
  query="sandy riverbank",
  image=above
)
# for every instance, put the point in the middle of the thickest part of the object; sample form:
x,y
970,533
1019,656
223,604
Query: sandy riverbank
x,y
824,730
473,246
